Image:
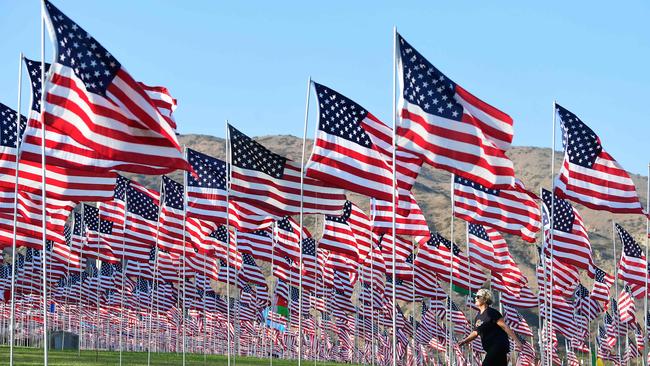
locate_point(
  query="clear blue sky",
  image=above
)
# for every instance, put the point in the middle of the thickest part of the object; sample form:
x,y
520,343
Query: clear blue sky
x,y
249,61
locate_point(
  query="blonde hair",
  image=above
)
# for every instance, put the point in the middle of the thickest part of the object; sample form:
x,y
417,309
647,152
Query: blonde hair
x,y
485,296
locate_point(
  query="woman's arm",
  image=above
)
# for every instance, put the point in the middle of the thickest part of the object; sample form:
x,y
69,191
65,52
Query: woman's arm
x,y
509,331
469,338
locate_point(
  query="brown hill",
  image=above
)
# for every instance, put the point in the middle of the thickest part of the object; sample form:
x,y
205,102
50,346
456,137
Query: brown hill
x,y
532,165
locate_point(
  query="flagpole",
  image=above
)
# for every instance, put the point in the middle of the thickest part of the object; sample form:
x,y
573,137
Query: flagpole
x,y
451,274
302,205
126,216
393,193
12,313
618,313
81,269
551,219
155,272
228,160
43,182
372,291
268,317
183,242
647,245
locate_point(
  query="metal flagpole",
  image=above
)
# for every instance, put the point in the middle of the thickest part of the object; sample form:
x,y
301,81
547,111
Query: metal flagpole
x,y
228,161
272,297
617,315
155,273
183,261
413,296
451,275
302,204
43,182
551,220
81,269
394,335
126,216
647,245
12,313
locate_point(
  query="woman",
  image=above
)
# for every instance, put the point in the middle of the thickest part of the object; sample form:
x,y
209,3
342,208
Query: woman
x,y
494,332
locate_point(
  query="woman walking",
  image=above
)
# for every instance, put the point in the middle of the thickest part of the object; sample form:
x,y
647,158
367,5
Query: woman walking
x,y
494,332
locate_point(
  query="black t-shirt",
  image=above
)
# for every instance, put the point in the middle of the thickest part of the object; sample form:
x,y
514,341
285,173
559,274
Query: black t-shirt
x,y
492,335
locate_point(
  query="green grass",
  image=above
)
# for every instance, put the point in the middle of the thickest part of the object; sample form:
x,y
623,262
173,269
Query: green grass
x,y
34,356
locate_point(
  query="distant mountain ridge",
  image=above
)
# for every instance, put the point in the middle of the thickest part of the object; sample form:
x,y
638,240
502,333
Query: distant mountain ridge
x,y
532,166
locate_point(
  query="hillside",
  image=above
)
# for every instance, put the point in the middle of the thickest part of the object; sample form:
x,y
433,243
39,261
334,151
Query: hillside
x,y
532,165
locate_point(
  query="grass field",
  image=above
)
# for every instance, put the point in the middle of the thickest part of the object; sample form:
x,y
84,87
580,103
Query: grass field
x,y
34,356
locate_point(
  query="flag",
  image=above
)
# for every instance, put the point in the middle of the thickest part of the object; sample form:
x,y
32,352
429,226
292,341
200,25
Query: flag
x,y
589,175
602,284
412,223
91,97
570,240
338,236
344,153
206,189
448,127
633,266
513,210
140,226
171,223
272,182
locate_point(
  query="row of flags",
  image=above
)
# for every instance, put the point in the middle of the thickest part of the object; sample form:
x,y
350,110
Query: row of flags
x,y
95,121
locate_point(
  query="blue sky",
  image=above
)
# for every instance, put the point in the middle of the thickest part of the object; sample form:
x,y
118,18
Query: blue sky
x,y
248,62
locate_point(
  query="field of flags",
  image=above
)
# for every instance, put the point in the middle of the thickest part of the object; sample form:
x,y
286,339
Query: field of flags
x,y
223,262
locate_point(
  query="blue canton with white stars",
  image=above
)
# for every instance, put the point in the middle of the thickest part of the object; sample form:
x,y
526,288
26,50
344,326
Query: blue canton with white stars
x,y
141,204
221,234
631,248
343,219
173,192
476,186
426,86
91,217
34,72
248,154
478,231
563,216
581,144
77,49
309,247
120,187
8,132
340,116
211,172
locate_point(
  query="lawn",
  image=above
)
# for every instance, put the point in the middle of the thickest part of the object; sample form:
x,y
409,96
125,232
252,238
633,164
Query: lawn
x,y
34,356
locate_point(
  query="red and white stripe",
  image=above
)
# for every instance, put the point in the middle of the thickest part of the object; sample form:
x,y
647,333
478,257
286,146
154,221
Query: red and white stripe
x,y
512,211
604,186
413,224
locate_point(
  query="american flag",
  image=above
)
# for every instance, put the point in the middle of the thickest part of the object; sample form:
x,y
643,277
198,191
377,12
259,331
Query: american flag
x,y
436,255
515,321
250,272
272,182
259,244
589,175
99,236
140,226
411,223
66,178
344,153
513,210
338,235
633,266
246,217
565,276
206,189
10,138
570,240
585,304
448,127
287,236
171,226
626,308
602,284
130,128
488,248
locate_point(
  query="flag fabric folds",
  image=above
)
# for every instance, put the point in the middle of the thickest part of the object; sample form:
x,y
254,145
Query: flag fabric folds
x,y
589,175
90,95
448,127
